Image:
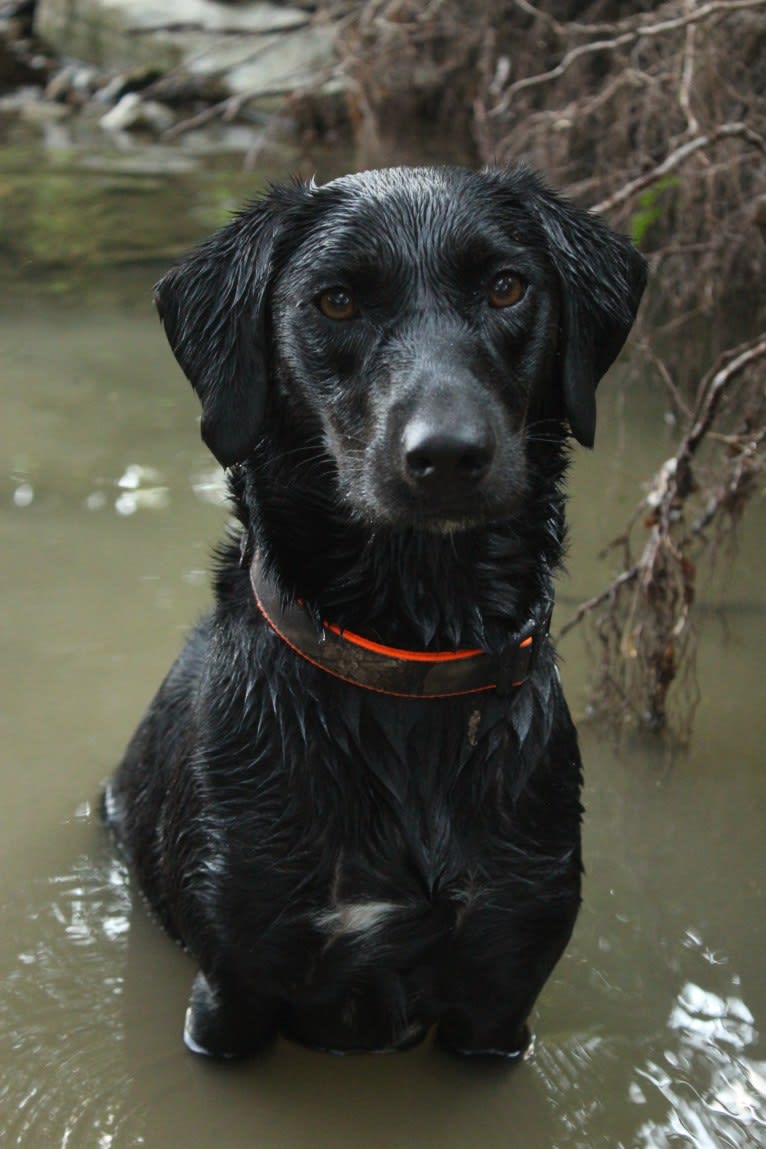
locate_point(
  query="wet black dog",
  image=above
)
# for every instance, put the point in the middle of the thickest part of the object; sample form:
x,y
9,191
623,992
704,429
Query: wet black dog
x,y
355,798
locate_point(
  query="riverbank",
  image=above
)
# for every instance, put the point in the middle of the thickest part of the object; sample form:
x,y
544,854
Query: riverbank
x,y
127,66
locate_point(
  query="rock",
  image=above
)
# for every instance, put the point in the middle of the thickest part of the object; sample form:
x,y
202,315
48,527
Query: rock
x,y
134,114
133,81
180,88
272,65
14,68
41,112
72,84
251,47
17,10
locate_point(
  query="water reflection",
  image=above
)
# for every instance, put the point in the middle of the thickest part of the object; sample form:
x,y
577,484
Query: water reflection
x,y
210,486
140,487
650,1035
654,1067
23,495
94,995
65,1082
716,1096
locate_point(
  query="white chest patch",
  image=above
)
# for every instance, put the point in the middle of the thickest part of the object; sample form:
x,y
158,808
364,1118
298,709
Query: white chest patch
x,y
354,917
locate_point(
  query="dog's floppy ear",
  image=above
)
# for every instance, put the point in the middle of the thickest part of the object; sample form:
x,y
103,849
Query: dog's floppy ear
x,y
213,308
602,278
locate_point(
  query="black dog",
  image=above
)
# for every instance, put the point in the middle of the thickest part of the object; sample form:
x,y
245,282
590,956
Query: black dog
x,y
355,798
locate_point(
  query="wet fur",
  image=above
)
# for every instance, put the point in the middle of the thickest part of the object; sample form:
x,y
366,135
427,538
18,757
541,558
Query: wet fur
x,y
345,867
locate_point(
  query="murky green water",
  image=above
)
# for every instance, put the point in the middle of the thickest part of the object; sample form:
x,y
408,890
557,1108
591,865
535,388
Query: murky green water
x,y
649,1035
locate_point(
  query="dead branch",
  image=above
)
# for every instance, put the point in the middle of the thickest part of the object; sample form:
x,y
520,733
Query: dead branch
x,y
645,621
676,158
679,403
750,462
711,392
687,76
572,26
624,40
609,592
222,31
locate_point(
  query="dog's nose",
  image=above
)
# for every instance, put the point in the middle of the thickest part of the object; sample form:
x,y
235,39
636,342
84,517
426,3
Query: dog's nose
x,y
453,456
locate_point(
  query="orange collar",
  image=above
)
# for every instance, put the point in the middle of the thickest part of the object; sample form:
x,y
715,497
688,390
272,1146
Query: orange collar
x,y
387,669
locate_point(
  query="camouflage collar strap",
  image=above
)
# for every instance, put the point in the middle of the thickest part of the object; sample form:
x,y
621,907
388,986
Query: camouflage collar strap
x,y
390,670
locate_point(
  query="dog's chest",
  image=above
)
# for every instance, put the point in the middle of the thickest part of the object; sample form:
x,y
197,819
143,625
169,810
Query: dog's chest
x,y
401,911
385,934
411,861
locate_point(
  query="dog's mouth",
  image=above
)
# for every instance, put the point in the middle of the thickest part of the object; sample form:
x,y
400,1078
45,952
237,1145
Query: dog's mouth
x,y
451,523
393,505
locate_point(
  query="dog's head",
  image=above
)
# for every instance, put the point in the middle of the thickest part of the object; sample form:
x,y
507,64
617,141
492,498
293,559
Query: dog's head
x,y
424,324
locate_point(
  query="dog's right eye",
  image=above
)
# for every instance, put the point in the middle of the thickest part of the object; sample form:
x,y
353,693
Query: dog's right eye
x,y
506,290
337,304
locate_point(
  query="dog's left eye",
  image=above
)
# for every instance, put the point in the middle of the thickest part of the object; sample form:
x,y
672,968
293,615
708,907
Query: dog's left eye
x,y
506,289
337,304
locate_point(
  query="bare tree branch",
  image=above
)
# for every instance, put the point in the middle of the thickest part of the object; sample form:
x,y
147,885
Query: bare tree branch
x,y
624,40
712,390
585,608
676,159
687,76
652,627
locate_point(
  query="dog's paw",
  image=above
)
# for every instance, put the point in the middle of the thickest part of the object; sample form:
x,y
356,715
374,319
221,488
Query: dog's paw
x,y
194,1046
112,811
110,808
221,1030
517,1050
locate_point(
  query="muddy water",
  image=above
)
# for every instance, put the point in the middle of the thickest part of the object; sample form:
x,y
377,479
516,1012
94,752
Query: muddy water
x,y
649,1035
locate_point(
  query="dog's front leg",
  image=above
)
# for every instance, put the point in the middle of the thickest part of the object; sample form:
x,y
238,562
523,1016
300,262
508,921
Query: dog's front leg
x,y
490,997
226,1021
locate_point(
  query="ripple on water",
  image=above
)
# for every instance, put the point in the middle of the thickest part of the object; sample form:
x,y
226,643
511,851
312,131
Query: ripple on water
x,y
65,1079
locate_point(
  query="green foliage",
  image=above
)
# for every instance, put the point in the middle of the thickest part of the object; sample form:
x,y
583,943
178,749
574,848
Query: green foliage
x,y
653,204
